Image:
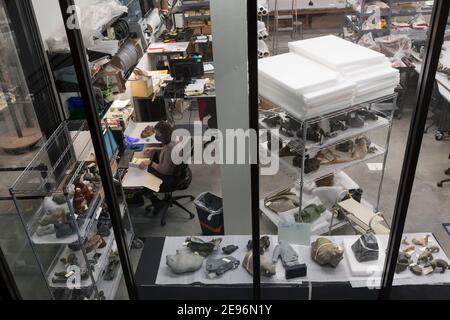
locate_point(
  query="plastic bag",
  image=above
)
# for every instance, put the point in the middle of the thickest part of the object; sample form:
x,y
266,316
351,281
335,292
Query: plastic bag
x,y
395,46
92,20
367,41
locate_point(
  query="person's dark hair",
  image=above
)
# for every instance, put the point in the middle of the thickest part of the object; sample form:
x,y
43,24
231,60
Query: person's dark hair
x,y
165,129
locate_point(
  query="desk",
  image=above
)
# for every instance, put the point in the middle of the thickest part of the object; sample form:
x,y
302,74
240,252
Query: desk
x,y
158,49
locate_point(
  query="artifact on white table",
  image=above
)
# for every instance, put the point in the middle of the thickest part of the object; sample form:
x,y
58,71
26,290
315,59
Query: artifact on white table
x,y
421,241
323,251
267,269
184,262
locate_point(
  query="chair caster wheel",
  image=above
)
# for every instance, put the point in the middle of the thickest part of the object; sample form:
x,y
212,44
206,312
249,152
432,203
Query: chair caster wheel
x,y
447,172
439,136
192,216
439,184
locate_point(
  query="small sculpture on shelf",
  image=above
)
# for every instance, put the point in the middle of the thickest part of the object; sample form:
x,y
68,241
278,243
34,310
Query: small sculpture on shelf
x,y
425,257
229,249
79,202
264,244
403,262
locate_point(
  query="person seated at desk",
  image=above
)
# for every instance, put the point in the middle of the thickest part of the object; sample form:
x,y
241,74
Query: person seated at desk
x,y
160,162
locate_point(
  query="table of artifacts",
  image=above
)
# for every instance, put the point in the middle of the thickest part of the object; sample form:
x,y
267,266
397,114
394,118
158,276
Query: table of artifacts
x,y
355,259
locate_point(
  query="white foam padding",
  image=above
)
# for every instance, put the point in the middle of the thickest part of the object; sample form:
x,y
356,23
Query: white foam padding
x,y
325,74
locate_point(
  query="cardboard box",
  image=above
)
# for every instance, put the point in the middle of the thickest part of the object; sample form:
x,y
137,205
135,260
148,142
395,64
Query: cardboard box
x,y
207,30
197,31
265,104
142,87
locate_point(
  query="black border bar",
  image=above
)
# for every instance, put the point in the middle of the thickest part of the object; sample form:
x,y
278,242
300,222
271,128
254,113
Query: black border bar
x,y
78,52
427,76
252,47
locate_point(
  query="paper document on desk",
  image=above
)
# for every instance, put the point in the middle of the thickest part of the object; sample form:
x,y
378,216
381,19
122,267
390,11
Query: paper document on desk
x,y
120,104
198,87
208,67
137,178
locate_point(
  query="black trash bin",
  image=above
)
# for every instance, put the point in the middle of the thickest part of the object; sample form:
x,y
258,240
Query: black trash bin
x,y
210,214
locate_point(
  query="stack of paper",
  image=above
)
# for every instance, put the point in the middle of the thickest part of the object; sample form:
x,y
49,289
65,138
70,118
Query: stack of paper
x,y
371,71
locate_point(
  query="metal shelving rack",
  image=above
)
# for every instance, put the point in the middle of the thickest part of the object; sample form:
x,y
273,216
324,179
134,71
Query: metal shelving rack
x,y
297,145
44,178
361,16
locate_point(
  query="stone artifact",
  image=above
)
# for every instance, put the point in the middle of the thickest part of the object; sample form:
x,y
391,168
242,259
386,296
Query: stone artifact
x,y
229,249
264,244
416,269
53,217
421,241
432,249
86,191
267,269
184,262
324,252
425,257
113,266
70,260
94,243
203,248
366,248
310,214
439,263
64,230
403,261
45,230
405,241
408,248
217,267
289,258
79,202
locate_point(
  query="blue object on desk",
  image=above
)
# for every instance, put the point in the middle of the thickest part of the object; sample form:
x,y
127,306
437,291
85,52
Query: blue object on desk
x,y
136,147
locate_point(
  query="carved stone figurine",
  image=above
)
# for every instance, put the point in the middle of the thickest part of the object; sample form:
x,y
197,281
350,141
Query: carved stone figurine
x,y
264,244
267,269
403,262
432,249
184,262
79,202
324,252
366,248
217,267
421,241
439,263
202,247
229,249
425,257
416,269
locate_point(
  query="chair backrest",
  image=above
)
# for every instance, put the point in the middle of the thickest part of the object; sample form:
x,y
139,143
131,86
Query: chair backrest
x,y
183,177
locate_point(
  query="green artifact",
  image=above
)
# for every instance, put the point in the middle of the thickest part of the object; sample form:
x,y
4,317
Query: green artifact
x,y
310,214
439,263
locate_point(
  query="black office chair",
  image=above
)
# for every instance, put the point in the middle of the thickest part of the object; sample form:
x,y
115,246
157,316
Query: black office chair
x,y
182,181
447,172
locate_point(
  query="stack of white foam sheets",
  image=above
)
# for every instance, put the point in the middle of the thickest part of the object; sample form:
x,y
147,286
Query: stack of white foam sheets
x,y
303,87
371,71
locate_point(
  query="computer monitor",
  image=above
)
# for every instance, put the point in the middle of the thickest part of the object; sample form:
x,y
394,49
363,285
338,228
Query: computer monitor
x,y
111,144
186,69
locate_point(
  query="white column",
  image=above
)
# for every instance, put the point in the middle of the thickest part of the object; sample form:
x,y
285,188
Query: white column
x,y
229,30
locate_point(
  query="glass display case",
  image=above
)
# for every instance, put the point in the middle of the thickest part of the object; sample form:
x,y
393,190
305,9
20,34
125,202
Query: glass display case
x,y
61,206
